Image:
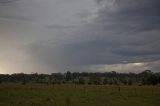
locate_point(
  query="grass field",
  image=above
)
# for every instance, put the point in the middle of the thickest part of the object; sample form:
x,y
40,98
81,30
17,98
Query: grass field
x,y
78,95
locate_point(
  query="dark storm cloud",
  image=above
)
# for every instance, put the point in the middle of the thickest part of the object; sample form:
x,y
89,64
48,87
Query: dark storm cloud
x,y
142,14
141,50
127,32
137,24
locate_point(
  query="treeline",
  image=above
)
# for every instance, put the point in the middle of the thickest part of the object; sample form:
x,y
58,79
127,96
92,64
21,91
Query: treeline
x,y
146,77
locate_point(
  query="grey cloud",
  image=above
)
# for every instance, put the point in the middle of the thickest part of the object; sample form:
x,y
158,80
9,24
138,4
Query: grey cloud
x,y
142,50
98,1
143,14
92,53
120,30
6,1
8,11
60,26
15,17
129,32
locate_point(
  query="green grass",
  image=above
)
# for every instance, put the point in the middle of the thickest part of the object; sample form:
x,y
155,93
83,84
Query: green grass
x,y
79,95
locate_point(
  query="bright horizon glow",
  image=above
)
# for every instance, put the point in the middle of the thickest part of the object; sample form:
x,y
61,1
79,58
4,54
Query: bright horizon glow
x,y
129,67
138,64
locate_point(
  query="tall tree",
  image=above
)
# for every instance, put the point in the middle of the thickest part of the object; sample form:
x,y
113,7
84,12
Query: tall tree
x,y
152,80
68,76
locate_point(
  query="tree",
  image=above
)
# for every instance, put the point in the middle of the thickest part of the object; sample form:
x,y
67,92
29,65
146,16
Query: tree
x,y
152,80
105,81
159,78
115,81
110,81
125,81
57,76
95,80
144,81
145,75
89,82
81,80
130,82
23,82
68,76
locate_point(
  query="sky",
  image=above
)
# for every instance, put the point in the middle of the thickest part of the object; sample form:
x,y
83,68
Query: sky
x,y
48,36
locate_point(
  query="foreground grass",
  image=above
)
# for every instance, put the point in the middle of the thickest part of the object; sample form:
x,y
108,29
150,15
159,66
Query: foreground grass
x,y
78,95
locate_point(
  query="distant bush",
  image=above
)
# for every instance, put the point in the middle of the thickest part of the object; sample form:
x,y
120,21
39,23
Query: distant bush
x,y
125,81
110,82
81,80
105,81
130,82
115,81
68,76
95,80
152,80
24,82
89,83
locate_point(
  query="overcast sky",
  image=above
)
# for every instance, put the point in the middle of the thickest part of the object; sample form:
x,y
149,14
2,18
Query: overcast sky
x,y
48,36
